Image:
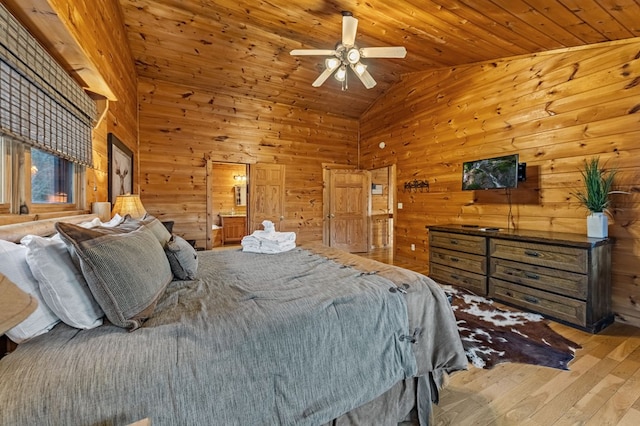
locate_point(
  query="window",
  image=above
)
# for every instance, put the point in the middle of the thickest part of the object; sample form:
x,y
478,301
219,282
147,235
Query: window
x,y
45,126
51,179
35,181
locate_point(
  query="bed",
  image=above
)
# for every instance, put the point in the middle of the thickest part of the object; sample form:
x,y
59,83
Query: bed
x,y
310,336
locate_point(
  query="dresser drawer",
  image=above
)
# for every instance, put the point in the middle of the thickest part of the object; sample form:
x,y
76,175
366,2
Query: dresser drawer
x,y
446,275
459,242
551,256
565,283
468,262
553,305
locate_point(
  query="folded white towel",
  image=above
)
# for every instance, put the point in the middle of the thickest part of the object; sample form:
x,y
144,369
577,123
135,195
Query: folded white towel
x,y
273,236
269,242
268,248
268,226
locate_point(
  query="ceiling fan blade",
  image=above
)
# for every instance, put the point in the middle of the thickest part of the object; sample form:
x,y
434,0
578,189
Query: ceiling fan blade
x,y
364,76
383,52
349,29
323,77
312,52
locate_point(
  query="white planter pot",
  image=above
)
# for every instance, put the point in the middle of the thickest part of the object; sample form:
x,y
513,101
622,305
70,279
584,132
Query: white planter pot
x,y
597,225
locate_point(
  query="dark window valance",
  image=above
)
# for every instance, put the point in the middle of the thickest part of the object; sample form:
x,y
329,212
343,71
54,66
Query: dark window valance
x,y
40,104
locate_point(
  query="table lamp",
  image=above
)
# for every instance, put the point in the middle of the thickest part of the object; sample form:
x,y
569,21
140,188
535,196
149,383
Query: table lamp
x,y
129,204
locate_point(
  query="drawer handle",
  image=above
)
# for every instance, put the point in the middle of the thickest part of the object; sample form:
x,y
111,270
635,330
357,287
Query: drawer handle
x,y
455,277
532,253
454,242
531,299
532,276
454,259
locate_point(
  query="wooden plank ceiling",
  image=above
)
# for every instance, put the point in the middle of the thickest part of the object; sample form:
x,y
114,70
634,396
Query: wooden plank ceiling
x,y
241,47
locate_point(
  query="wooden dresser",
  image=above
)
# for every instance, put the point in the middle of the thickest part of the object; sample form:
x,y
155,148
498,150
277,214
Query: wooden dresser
x,y
564,276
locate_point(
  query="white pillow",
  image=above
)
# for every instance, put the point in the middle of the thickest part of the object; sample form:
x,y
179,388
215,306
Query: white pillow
x,y
62,285
115,221
91,224
14,266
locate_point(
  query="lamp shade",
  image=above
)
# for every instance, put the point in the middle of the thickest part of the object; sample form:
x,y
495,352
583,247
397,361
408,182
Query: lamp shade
x,y
15,304
129,204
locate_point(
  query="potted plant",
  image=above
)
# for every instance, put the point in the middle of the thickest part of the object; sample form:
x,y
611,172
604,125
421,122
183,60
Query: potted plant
x,y
598,182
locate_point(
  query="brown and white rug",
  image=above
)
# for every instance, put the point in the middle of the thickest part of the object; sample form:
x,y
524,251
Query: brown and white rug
x,y
491,335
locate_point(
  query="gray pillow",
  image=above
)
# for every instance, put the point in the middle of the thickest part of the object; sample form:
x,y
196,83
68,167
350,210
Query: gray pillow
x,y
126,272
183,258
130,224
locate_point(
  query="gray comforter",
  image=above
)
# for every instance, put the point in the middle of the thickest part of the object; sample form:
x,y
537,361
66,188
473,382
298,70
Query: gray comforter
x,y
297,338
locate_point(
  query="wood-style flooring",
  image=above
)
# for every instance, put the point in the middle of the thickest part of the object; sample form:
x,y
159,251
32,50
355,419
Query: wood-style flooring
x,y
602,386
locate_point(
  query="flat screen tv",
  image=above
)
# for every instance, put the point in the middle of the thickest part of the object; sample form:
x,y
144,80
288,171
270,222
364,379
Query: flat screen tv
x,y
490,173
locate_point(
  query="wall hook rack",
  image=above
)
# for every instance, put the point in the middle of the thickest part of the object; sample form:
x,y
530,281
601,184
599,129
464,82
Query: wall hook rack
x,y
416,185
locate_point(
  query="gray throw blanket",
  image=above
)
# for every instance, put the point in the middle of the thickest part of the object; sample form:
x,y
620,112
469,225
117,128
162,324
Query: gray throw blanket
x,y
290,339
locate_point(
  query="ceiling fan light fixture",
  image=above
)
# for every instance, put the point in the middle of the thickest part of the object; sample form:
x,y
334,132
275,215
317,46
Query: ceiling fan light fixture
x,y
341,74
332,63
359,68
353,55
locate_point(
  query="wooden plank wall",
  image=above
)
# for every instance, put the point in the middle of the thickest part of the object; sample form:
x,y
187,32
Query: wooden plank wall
x,y
181,128
99,33
553,109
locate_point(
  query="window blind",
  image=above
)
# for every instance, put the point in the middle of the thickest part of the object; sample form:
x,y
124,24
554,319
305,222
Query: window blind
x,y
40,104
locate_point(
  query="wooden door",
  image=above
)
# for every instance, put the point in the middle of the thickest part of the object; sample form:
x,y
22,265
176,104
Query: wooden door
x,y
266,195
349,210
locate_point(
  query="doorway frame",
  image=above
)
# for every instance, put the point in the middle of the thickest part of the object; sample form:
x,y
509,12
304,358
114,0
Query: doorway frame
x,y
392,203
209,198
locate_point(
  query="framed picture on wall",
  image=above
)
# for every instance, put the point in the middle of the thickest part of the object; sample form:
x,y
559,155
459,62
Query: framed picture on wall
x,y
376,189
120,168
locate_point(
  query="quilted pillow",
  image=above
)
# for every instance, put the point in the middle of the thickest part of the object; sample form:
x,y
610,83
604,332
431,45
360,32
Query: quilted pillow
x,y
126,272
62,285
183,258
159,230
126,224
14,266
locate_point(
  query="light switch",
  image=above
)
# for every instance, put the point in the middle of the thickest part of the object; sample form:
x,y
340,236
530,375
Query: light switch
x,y
399,205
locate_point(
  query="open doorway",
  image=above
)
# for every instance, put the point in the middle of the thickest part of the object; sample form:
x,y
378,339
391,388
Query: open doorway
x,y
227,201
382,208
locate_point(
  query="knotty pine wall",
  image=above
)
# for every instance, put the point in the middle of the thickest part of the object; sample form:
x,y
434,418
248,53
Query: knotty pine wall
x,y
99,33
181,128
554,110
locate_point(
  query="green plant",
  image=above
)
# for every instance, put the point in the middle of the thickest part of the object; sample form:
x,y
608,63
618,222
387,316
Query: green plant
x,y
598,182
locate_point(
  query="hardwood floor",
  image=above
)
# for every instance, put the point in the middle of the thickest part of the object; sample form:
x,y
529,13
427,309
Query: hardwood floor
x,y
602,386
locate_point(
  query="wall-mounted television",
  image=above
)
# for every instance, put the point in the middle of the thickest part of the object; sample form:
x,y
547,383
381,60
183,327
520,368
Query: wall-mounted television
x,y
490,173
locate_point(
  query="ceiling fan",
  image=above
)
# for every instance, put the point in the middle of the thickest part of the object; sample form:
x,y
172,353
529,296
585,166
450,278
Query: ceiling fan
x,y
348,55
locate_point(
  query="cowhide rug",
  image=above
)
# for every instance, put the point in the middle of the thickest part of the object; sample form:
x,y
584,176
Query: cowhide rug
x,y
491,335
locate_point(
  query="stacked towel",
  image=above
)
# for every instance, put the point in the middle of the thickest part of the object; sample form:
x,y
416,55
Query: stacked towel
x,y
269,241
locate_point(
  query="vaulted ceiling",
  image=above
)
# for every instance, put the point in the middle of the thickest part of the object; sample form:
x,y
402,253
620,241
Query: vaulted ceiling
x,y
242,46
